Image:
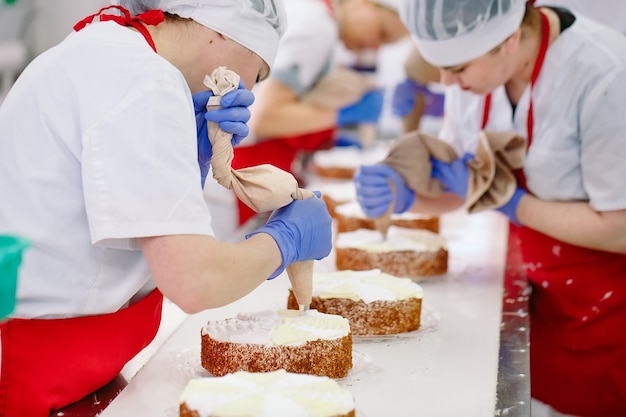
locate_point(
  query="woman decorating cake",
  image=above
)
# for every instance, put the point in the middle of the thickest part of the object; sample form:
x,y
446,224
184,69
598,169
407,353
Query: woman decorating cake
x,y
558,80
102,157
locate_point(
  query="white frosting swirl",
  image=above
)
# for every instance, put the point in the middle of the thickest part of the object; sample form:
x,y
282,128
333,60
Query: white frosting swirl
x,y
398,239
278,328
267,394
353,209
368,286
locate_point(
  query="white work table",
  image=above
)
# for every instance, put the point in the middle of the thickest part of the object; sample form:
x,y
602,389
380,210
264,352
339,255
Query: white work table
x,y
450,367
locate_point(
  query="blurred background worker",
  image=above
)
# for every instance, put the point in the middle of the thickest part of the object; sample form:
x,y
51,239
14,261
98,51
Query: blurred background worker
x,y
558,80
283,124
100,170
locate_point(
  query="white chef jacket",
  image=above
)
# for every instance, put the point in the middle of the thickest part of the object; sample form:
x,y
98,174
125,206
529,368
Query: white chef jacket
x,y
306,50
578,150
97,148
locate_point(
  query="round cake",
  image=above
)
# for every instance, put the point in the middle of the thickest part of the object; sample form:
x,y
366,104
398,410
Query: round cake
x,y
374,302
410,253
334,192
350,216
276,394
342,162
306,342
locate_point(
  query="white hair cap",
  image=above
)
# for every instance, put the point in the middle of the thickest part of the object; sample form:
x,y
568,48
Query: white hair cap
x,y
453,32
256,24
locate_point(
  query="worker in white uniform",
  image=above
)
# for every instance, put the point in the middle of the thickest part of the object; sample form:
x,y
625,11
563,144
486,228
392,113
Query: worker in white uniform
x,y
283,125
558,80
100,169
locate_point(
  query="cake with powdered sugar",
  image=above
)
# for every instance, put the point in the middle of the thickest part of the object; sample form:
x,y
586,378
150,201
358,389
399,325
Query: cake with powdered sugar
x,y
276,394
350,216
410,253
374,302
306,342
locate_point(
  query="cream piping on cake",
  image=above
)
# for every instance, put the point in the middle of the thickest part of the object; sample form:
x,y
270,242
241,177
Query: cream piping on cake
x,y
398,239
278,328
270,394
368,286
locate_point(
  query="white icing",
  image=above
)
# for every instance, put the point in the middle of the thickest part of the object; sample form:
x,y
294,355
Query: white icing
x,y
350,157
268,394
353,209
278,328
337,190
398,239
368,286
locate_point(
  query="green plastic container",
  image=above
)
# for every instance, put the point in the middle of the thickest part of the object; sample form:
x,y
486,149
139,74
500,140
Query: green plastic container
x,y
11,248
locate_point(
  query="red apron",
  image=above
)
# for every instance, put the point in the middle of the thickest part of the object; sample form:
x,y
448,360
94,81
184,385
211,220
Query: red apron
x,y
48,364
577,312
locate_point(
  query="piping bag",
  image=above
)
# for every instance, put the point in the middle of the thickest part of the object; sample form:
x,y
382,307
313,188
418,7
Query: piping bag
x,y
263,187
383,222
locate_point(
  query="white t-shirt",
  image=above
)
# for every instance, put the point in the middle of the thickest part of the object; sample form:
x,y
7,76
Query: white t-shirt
x,y
579,137
98,147
306,50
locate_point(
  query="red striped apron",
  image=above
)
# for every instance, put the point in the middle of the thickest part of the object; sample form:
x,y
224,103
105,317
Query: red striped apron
x,y
48,364
577,311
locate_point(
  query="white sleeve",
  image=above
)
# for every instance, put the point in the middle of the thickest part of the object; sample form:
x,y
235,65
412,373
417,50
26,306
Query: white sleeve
x,y
140,170
306,50
603,142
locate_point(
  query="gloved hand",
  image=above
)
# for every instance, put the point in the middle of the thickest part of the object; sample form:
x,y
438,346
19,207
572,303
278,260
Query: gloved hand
x,y
366,110
454,176
374,193
302,230
345,141
403,100
511,206
232,118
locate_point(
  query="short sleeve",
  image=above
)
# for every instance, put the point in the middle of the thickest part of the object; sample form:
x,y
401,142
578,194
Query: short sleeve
x,y
140,171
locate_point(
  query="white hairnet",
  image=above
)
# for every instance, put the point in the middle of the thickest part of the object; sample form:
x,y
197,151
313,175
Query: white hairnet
x,y
256,24
453,32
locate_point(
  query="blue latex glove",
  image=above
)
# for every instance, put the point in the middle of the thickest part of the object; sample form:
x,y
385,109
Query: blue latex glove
x,y
366,110
511,206
345,141
403,100
374,193
232,118
404,96
302,230
454,176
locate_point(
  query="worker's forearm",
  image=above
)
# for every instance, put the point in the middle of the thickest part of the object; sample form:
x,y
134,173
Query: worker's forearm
x,y
199,272
575,223
289,119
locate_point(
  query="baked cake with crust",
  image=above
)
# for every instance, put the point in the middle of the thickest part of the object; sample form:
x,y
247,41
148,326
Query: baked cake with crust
x,y
374,302
276,394
342,162
307,342
412,253
350,216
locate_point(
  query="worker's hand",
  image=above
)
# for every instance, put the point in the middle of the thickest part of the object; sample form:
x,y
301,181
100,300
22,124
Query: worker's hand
x,y
366,110
454,175
232,118
510,208
404,95
302,230
347,141
374,193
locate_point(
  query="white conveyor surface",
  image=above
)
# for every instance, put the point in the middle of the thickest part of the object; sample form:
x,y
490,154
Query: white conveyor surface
x,y
447,368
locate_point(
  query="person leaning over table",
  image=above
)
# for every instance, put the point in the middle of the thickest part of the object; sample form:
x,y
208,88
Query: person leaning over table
x,y
282,123
558,80
99,170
